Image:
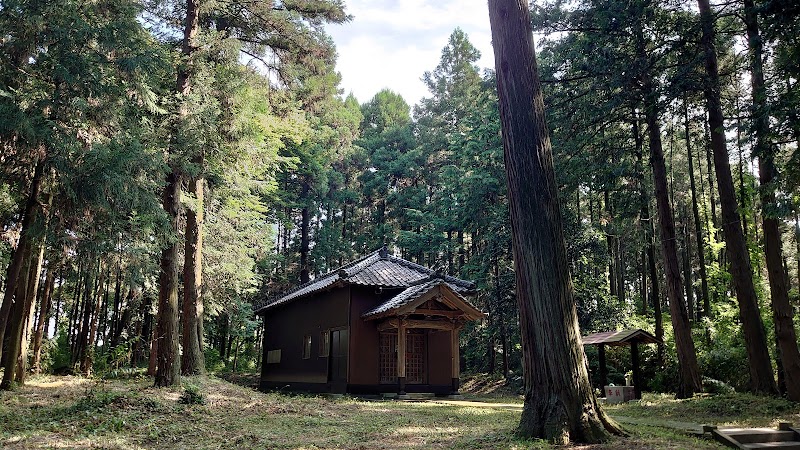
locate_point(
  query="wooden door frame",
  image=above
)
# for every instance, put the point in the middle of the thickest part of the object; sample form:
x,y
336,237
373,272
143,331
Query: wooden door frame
x,y
424,332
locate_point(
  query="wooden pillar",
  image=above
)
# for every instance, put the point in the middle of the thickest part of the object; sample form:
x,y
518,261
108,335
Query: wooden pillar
x,y
601,353
455,362
401,357
637,382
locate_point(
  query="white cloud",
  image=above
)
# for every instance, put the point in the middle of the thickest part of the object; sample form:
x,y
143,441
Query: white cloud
x,y
391,43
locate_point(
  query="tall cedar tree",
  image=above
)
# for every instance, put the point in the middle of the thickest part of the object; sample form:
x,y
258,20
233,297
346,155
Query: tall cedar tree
x,y
166,341
761,377
684,344
559,403
782,313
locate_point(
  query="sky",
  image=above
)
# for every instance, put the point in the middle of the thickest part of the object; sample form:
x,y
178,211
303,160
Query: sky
x,y
391,43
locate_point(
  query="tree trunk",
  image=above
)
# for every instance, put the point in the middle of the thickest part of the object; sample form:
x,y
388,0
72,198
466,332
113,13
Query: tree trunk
x,y
76,301
44,315
698,229
57,312
103,312
166,339
305,225
559,402
116,308
649,233
684,344
192,362
785,335
88,357
16,323
18,259
144,331
34,277
643,283
687,268
152,365
91,304
761,375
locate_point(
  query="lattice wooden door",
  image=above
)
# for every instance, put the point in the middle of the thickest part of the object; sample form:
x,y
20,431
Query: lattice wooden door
x,y
415,358
388,356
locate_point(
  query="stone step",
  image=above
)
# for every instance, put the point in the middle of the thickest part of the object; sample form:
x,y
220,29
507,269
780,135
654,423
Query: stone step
x,y
417,396
785,445
758,435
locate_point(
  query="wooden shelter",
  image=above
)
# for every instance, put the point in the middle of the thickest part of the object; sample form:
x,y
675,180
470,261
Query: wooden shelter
x,y
380,324
630,338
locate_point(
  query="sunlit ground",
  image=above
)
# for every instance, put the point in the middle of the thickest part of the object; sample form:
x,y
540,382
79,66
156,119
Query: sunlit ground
x,y
74,412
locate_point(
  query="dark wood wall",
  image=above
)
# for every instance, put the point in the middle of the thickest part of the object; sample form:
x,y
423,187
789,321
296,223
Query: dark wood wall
x,y
364,339
284,329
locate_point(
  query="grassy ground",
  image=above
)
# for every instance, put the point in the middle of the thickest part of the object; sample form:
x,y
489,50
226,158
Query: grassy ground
x,y
743,410
71,412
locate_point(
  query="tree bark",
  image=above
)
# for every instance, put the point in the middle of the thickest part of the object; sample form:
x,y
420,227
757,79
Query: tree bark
x,y
29,313
305,225
87,361
44,315
684,344
16,323
559,402
18,260
687,269
166,338
698,229
649,233
761,375
193,362
91,304
785,335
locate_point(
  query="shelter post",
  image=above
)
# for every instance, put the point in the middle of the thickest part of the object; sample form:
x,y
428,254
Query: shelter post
x,y
601,352
401,356
637,379
456,360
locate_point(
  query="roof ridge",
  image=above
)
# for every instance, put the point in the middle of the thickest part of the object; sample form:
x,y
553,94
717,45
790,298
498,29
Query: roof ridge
x,y
319,278
349,274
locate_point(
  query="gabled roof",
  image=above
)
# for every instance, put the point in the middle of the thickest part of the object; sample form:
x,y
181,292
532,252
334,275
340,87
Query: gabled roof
x,y
624,337
378,268
410,298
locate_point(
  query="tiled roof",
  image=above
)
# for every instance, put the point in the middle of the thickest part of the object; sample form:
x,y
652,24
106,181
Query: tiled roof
x,y
375,269
409,295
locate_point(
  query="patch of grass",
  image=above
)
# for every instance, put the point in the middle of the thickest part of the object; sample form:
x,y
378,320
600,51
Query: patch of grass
x,y
72,412
740,409
192,395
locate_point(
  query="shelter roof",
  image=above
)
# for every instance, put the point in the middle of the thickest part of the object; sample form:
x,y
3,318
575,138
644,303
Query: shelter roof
x,y
379,269
623,337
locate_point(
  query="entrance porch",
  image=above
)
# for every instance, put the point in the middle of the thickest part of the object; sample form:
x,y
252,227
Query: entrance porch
x,y
419,338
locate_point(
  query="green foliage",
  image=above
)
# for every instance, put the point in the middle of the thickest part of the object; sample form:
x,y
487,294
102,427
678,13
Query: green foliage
x,y
192,395
214,362
58,357
96,399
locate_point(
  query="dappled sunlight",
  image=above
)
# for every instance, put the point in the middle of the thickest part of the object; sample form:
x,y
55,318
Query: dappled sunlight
x,y
76,413
476,404
427,431
57,441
